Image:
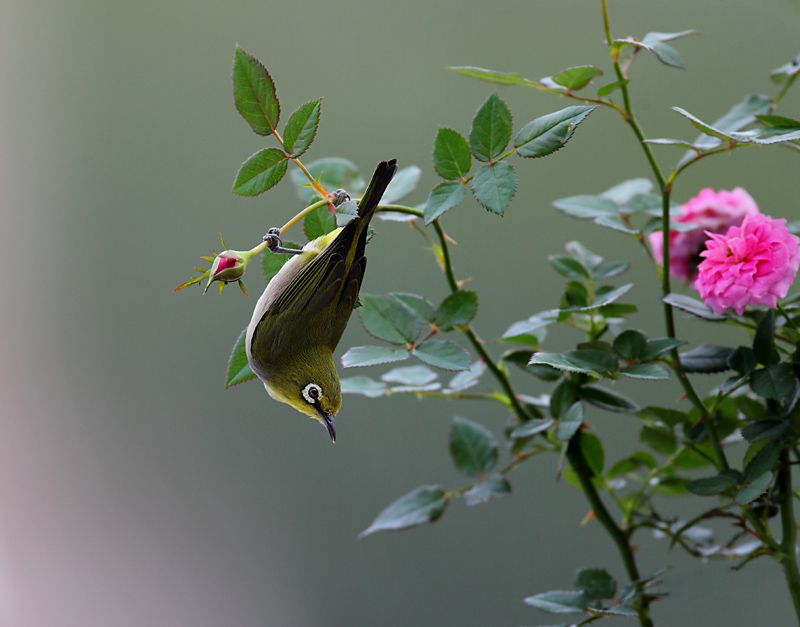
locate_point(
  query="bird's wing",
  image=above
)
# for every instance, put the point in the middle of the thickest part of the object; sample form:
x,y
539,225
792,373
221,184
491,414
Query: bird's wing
x,y
289,322
332,279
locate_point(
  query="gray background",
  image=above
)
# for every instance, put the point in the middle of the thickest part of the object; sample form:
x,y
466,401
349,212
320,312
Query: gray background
x,y
133,489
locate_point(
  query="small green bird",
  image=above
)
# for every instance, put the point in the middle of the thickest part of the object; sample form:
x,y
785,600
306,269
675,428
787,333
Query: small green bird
x,y
303,312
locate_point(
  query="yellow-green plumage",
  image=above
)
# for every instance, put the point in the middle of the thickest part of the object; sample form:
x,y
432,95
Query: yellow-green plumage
x,y
304,310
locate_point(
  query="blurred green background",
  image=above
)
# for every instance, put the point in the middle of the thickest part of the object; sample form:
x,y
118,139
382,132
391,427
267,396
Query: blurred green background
x,y
133,489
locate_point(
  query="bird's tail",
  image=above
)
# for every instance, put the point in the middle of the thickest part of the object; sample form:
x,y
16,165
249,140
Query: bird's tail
x,y
377,186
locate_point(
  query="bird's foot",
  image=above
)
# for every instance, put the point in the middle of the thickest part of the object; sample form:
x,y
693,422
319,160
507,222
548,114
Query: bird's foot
x,y
340,196
273,239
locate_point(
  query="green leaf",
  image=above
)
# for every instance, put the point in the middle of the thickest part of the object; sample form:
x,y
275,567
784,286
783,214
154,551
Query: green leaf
x,y
494,185
645,458
654,42
659,439
491,76
605,90
451,155
467,378
766,430
740,115
610,269
238,368
586,206
562,398
472,447
443,197
776,381
693,306
569,267
576,297
666,54
777,137
595,583
363,385
345,212
653,349
592,449
717,484
442,354
457,309
271,263
764,340
578,361
786,71
531,427
750,407
651,37
753,489
410,375
623,467
707,358
751,453
618,610
569,425
493,487
717,135
372,356
332,173
582,254
254,93
608,400
319,222
576,77
646,371
775,122
545,135
630,343
403,183
672,486
616,223
604,299
422,505
386,319
302,128
421,307
763,461
691,459
559,602
530,331
260,172
669,417
491,129
625,192
665,141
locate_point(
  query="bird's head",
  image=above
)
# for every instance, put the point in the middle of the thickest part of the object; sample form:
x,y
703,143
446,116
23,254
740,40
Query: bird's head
x,y
310,385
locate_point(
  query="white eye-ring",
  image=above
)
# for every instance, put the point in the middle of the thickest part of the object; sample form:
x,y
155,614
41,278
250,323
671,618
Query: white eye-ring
x,y
311,393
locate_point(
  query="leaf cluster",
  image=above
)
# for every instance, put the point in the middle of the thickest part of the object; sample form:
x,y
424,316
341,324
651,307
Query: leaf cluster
x,y
494,183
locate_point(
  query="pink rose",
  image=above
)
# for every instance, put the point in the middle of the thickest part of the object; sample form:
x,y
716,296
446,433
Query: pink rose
x,y
712,212
752,264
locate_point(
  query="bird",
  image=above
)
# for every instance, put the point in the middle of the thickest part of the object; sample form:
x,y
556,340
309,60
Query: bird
x,y
301,316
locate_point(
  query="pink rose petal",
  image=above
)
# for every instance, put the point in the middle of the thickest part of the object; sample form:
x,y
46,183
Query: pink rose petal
x,y
752,264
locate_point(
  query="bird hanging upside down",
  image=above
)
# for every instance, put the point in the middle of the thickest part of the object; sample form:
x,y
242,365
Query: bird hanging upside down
x,y
304,310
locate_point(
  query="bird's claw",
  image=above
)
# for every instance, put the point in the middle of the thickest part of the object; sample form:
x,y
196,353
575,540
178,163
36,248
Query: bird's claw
x,y
340,196
274,243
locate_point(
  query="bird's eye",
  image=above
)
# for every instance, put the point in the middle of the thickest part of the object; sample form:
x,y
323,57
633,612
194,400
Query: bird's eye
x,y
312,392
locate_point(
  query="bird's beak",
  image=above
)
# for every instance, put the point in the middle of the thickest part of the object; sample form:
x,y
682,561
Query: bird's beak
x,y
327,420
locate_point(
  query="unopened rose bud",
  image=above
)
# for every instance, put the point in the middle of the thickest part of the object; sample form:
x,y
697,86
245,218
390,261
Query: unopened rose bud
x,y
228,266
